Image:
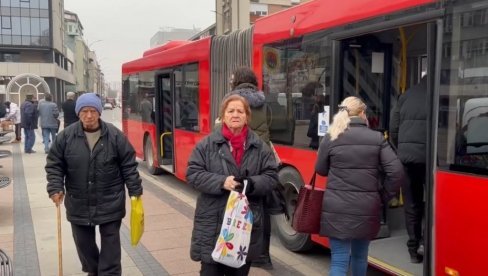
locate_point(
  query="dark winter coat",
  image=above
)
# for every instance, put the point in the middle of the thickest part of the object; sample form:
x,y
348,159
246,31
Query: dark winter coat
x,y
69,112
206,173
256,100
28,115
351,206
94,182
408,125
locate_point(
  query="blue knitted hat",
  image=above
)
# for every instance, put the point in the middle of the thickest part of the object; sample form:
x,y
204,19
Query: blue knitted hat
x,y
89,99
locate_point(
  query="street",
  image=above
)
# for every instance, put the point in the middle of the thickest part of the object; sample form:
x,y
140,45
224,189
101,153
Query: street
x,y
28,225
314,262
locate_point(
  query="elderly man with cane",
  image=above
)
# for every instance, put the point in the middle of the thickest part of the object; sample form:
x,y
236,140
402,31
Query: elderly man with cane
x,y
90,162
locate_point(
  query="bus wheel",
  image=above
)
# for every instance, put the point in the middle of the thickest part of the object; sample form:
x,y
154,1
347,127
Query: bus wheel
x,y
291,239
149,158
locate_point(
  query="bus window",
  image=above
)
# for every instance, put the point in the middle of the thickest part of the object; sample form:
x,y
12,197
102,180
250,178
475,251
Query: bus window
x,y
463,103
296,75
187,100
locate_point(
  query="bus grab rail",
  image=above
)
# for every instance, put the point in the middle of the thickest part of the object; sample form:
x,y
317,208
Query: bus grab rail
x,y
161,142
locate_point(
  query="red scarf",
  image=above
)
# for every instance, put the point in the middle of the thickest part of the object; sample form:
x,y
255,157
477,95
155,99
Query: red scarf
x,y
237,142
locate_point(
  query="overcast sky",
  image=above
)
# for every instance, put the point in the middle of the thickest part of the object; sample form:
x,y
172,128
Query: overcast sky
x,y
125,27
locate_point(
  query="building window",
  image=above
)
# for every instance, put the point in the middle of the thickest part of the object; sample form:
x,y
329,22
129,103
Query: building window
x,y
25,22
9,57
6,22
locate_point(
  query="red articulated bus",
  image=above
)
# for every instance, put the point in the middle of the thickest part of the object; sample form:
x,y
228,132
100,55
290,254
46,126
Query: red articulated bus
x,y
320,52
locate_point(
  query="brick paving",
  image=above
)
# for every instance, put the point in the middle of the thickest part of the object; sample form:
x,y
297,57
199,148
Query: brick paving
x,y
28,226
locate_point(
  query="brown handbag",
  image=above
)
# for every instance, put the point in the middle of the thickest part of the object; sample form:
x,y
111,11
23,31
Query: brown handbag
x,y
306,218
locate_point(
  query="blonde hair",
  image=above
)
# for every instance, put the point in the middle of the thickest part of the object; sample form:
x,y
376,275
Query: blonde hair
x,y
350,106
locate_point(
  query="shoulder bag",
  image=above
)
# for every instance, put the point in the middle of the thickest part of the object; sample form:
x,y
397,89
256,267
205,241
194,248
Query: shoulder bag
x,y
306,218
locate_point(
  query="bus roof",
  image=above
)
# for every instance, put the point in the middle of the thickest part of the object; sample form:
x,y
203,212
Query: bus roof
x,y
166,46
186,53
321,14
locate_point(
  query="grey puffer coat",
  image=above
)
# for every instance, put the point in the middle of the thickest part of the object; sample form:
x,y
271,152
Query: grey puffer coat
x,y
206,173
351,206
256,100
94,181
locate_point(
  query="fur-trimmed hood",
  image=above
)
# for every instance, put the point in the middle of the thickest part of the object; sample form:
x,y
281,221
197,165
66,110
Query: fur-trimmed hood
x,y
254,97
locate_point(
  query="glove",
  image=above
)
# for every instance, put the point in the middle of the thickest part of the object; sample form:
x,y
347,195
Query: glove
x,y
249,187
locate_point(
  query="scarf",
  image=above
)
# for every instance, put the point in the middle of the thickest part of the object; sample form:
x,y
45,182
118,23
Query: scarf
x,y
237,142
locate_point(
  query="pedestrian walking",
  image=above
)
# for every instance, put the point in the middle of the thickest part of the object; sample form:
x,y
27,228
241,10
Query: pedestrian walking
x,y
69,112
90,163
408,130
48,114
219,164
29,117
14,116
352,156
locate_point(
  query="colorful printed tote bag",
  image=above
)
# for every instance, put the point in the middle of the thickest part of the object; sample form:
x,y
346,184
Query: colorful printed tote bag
x,y
235,235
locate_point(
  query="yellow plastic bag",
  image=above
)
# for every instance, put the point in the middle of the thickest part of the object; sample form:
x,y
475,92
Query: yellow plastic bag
x,y
136,220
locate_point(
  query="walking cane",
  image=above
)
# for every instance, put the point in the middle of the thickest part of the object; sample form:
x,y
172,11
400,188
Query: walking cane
x,y
60,244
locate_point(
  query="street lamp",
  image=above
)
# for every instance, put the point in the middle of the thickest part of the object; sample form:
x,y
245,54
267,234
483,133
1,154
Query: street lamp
x,y
89,45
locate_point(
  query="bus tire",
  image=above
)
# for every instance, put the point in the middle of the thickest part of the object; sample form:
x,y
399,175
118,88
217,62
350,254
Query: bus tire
x,y
292,181
149,158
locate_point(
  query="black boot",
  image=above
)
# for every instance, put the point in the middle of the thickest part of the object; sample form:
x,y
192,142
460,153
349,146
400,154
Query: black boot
x,y
415,258
264,260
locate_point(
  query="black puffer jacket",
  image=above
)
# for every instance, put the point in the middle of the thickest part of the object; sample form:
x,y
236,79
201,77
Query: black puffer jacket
x,y
408,125
206,173
352,202
94,183
256,100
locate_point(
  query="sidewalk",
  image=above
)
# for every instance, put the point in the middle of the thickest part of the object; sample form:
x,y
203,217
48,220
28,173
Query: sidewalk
x,y
28,230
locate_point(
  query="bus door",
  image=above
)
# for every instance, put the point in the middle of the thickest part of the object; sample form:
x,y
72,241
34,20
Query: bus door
x,y
461,176
366,73
164,121
378,67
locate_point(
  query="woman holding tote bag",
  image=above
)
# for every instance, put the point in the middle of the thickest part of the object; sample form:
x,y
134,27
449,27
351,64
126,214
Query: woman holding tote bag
x,y
351,155
219,164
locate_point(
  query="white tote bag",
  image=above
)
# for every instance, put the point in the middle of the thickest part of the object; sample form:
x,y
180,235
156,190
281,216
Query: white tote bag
x,y
235,235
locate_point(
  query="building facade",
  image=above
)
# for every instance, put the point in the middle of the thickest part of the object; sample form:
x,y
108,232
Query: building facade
x,y
233,15
167,34
32,44
75,44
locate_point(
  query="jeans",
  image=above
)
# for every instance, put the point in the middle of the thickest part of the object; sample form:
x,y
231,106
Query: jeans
x,y
18,134
343,251
30,139
45,136
107,260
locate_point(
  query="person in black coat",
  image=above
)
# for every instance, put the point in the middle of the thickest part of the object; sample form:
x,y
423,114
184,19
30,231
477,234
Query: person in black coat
x,y
69,112
90,162
408,130
352,155
218,165
29,117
